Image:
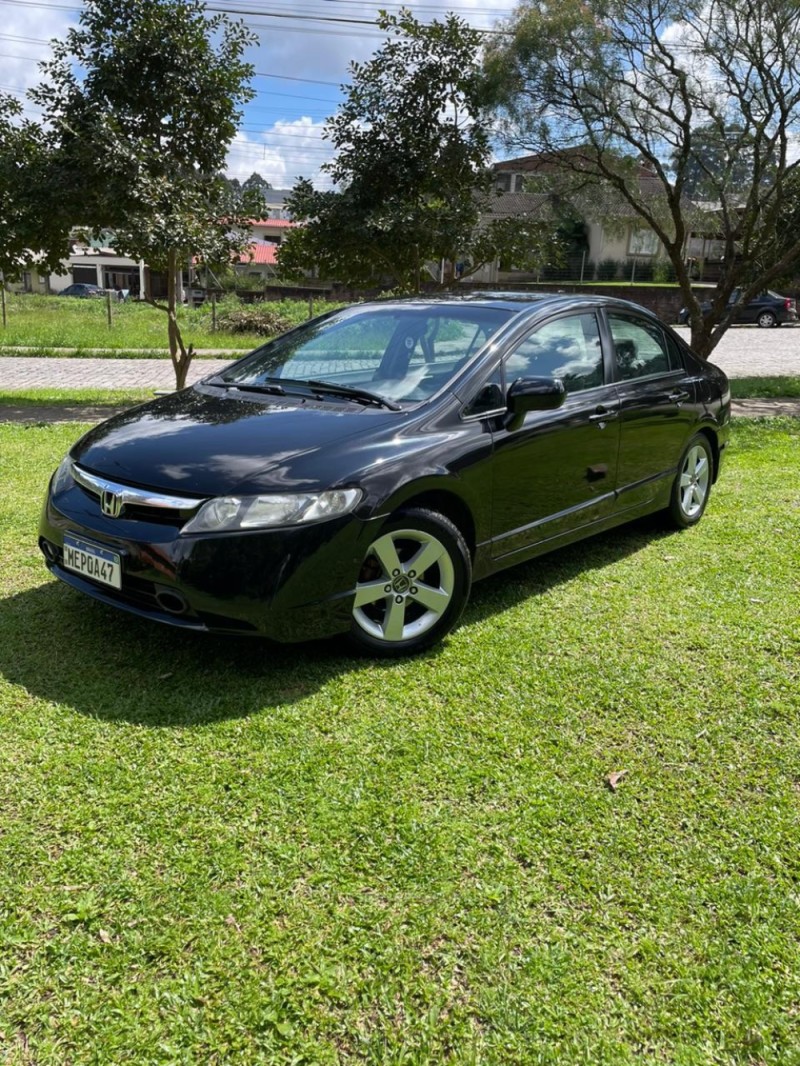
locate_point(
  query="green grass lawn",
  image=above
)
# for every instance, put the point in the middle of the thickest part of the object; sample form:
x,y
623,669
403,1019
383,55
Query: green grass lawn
x,y
54,397
219,852
47,322
765,387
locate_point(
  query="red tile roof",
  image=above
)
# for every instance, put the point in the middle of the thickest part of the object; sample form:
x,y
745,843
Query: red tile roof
x,y
262,252
279,222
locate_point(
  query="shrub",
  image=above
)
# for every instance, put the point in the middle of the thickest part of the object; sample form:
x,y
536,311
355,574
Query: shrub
x,y
254,318
589,270
663,272
643,271
607,270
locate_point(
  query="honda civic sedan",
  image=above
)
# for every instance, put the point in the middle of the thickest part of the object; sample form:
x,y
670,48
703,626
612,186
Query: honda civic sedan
x,y
766,310
358,473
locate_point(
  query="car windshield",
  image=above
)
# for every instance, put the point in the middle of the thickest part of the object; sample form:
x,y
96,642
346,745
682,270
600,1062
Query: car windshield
x,y
400,354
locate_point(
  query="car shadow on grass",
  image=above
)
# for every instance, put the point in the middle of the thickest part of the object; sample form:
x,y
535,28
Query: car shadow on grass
x,y
67,649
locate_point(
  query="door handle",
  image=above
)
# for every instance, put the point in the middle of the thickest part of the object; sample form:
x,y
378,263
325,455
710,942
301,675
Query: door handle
x,y
602,414
678,396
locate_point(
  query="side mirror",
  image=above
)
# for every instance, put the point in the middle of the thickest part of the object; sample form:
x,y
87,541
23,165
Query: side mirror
x,y
534,394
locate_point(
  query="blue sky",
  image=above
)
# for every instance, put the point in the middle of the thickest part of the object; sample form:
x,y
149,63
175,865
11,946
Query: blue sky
x,y
304,48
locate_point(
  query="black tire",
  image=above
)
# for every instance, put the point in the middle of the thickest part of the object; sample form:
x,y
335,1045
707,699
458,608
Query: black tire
x,y
767,319
692,485
399,610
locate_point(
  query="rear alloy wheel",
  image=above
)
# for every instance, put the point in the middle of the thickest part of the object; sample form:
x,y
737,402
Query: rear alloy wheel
x,y
767,320
413,584
692,486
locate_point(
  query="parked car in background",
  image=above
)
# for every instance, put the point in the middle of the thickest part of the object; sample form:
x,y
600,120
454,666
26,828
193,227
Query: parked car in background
x,y
82,290
766,310
357,474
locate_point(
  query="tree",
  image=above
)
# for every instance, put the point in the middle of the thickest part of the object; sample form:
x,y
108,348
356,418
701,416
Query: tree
x,y
145,97
411,166
611,86
716,151
255,183
33,226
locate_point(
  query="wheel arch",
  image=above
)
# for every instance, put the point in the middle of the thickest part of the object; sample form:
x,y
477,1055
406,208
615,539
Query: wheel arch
x,y
448,504
713,440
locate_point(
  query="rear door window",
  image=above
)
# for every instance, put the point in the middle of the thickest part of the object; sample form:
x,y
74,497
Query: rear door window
x,y
640,348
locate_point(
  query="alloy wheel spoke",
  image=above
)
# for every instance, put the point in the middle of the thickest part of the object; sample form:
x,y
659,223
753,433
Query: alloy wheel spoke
x,y
386,552
369,592
427,555
434,599
395,620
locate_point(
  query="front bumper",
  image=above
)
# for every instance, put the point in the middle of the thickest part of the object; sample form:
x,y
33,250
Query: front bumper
x,y
285,584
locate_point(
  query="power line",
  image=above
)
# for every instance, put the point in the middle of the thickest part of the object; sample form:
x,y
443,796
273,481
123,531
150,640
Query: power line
x,y
351,21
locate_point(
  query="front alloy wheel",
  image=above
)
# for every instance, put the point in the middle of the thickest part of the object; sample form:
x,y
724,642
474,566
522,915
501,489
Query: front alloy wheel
x,y
692,486
413,584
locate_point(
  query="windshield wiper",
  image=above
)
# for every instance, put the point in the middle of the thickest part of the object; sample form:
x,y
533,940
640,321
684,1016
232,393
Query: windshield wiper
x,y
352,393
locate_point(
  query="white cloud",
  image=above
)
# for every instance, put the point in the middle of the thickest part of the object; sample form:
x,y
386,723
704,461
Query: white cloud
x,y
283,152
25,36
281,136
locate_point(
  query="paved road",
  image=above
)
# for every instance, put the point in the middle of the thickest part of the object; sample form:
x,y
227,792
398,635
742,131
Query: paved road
x,y
24,372
742,352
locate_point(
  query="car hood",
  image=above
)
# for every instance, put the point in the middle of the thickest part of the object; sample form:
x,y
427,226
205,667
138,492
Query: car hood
x,y
205,442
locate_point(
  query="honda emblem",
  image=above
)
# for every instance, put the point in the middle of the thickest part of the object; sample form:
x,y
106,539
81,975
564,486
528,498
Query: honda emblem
x,y
111,504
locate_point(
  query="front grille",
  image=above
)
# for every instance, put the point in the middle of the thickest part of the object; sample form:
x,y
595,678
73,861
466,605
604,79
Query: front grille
x,y
119,500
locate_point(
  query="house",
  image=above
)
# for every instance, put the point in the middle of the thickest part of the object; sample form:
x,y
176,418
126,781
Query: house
x,y
96,262
624,241
260,259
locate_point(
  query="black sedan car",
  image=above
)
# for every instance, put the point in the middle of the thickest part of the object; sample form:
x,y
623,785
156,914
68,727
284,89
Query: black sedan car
x,y
768,309
83,290
357,474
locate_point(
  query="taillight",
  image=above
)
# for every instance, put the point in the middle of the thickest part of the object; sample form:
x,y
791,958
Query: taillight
x,y
788,304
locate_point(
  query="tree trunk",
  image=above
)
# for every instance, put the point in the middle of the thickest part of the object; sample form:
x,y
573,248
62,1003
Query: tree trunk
x,y
704,338
179,354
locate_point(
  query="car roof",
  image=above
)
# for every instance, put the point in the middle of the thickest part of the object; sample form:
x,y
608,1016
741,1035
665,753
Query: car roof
x,y
516,302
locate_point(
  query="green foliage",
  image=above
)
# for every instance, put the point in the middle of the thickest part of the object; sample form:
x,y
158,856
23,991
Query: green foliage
x,y
218,851
639,269
145,97
646,104
255,183
608,270
261,319
663,272
412,153
33,222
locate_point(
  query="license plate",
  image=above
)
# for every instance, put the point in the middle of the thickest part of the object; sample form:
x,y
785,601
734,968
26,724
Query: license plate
x,y
90,560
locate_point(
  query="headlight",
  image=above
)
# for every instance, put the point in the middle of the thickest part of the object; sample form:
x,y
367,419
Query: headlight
x,y
226,513
62,479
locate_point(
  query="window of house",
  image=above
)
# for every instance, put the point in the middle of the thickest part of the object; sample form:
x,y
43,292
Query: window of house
x,y
642,242
566,348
